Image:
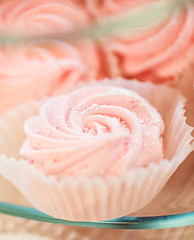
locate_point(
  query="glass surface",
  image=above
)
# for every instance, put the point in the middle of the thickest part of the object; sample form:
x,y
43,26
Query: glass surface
x,y
157,222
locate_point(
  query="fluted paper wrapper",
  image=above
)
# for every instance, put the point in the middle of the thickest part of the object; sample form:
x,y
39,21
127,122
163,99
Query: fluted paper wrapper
x,y
185,83
19,226
97,198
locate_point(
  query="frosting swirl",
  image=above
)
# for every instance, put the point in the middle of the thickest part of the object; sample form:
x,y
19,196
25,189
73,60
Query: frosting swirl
x,y
42,68
41,16
95,130
106,8
39,69
157,53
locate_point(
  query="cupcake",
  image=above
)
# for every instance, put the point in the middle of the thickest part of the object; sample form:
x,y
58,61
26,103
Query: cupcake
x,y
107,8
42,69
40,17
162,52
100,152
45,67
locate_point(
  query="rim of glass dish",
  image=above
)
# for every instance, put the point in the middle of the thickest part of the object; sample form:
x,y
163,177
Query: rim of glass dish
x,y
153,222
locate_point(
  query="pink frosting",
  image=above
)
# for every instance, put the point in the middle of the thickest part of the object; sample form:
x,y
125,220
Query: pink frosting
x,y
99,9
41,16
95,130
43,68
40,69
156,53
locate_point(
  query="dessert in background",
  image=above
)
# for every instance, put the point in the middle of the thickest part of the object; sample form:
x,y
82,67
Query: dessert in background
x,y
41,68
159,53
40,17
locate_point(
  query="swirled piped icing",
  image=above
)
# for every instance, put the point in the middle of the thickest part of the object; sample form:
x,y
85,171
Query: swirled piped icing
x,y
95,130
41,16
104,8
43,69
158,53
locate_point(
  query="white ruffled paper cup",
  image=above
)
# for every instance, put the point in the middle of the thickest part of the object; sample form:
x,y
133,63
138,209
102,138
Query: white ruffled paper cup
x,y
185,83
97,198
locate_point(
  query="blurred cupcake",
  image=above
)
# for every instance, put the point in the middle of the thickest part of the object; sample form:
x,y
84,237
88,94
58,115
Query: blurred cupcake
x,y
107,8
42,67
96,153
40,17
162,52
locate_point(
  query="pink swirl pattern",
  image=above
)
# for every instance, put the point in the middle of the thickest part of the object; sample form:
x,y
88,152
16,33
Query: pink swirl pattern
x,y
41,16
104,8
157,53
39,69
95,130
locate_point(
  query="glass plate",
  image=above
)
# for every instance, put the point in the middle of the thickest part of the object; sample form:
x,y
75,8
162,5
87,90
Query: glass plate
x,y
158,222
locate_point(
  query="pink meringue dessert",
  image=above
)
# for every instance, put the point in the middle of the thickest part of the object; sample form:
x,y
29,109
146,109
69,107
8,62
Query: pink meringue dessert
x,y
160,53
94,131
40,68
100,152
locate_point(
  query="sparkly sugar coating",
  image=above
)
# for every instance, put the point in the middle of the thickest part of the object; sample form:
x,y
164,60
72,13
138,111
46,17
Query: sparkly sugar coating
x,y
95,130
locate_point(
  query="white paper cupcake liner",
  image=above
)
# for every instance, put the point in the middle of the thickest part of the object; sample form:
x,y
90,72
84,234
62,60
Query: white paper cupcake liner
x,y
97,198
10,225
177,195
185,83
